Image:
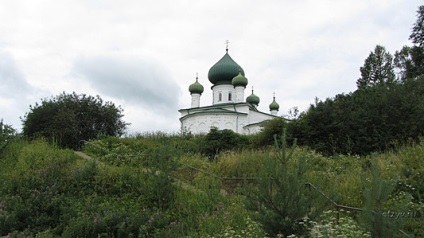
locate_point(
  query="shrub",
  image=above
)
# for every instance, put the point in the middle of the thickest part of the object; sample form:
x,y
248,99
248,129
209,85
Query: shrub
x,y
70,118
217,141
7,133
270,129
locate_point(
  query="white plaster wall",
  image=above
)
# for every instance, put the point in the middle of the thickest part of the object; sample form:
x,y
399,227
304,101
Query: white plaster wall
x,y
195,100
225,90
256,117
253,129
202,123
243,108
239,94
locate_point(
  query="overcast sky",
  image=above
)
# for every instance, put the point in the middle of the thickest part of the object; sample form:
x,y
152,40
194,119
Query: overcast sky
x,y
143,55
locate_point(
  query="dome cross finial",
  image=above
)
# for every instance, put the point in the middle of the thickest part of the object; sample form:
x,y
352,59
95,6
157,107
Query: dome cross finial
x,y
227,42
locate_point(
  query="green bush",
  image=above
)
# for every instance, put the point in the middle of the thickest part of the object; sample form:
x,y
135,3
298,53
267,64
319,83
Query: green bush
x,y
69,119
7,133
270,129
218,141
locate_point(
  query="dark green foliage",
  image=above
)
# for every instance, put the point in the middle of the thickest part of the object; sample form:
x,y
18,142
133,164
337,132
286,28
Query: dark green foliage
x,y
181,142
378,69
51,190
410,62
269,130
371,119
106,222
217,141
7,133
417,35
280,198
70,118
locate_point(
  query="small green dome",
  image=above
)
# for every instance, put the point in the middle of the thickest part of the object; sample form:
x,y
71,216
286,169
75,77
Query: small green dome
x,y
223,71
196,87
239,80
253,99
274,105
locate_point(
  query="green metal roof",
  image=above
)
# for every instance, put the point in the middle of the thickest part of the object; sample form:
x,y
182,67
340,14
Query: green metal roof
x,y
196,87
239,80
223,71
274,105
253,99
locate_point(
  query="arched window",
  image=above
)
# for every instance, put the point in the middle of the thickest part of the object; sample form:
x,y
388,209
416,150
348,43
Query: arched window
x,y
230,97
219,96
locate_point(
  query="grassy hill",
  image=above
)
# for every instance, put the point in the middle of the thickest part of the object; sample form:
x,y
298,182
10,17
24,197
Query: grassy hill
x,y
159,186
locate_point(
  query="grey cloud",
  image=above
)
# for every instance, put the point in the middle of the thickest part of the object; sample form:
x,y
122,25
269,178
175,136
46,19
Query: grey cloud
x,y
137,81
15,92
12,81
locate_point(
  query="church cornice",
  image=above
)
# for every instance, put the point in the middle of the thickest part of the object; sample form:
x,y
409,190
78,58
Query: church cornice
x,y
220,105
212,112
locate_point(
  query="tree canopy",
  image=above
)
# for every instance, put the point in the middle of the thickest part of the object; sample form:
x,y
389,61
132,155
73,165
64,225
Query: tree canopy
x,y
70,118
410,62
7,132
417,35
377,69
217,141
371,119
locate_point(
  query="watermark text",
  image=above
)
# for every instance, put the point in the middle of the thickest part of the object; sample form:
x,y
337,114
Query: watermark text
x,y
400,214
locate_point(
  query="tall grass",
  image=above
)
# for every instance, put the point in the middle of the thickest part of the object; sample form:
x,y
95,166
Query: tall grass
x,y
146,186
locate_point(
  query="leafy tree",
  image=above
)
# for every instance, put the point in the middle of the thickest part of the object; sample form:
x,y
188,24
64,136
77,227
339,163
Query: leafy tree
x,y
217,141
410,62
269,129
70,118
378,69
7,132
417,35
372,119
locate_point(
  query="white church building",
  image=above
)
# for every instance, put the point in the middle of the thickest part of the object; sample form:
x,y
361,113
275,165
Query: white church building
x,y
230,109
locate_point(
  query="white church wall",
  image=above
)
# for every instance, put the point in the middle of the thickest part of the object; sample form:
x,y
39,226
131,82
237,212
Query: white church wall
x,y
239,94
240,107
221,93
256,117
195,100
252,129
202,123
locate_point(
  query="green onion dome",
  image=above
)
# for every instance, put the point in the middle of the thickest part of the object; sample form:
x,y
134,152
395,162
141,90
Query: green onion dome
x,y
239,80
253,99
274,105
223,71
196,87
